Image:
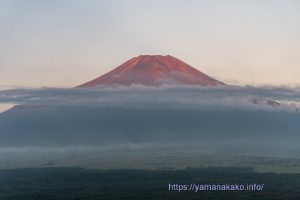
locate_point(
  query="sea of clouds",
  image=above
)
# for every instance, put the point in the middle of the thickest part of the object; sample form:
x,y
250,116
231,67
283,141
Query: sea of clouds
x,y
167,97
139,116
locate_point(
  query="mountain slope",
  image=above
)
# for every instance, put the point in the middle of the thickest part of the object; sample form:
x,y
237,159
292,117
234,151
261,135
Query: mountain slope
x,y
153,70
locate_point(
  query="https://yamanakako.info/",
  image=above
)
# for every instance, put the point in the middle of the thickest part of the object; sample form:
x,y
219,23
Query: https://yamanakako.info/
x,y
215,187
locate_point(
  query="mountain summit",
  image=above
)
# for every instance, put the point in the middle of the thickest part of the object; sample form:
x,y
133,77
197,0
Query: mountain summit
x,y
153,70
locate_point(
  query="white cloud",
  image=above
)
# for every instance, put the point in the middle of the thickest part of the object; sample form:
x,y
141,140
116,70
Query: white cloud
x,y
139,114
168,97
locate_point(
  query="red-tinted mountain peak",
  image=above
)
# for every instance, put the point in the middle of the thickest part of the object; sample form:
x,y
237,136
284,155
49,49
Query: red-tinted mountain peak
x,y
153,70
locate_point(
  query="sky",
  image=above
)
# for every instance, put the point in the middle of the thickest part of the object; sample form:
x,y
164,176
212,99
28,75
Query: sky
x,y
64,43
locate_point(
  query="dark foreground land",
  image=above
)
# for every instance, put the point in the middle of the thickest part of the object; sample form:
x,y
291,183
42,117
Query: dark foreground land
x,y
83,184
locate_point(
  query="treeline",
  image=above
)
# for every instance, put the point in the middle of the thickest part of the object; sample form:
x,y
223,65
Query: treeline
x,y
83,184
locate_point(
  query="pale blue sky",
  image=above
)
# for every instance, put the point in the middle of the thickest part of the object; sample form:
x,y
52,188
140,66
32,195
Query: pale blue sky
x,y
63,43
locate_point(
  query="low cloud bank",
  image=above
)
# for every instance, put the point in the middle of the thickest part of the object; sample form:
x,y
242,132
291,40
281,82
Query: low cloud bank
x,y
235,116
167,97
